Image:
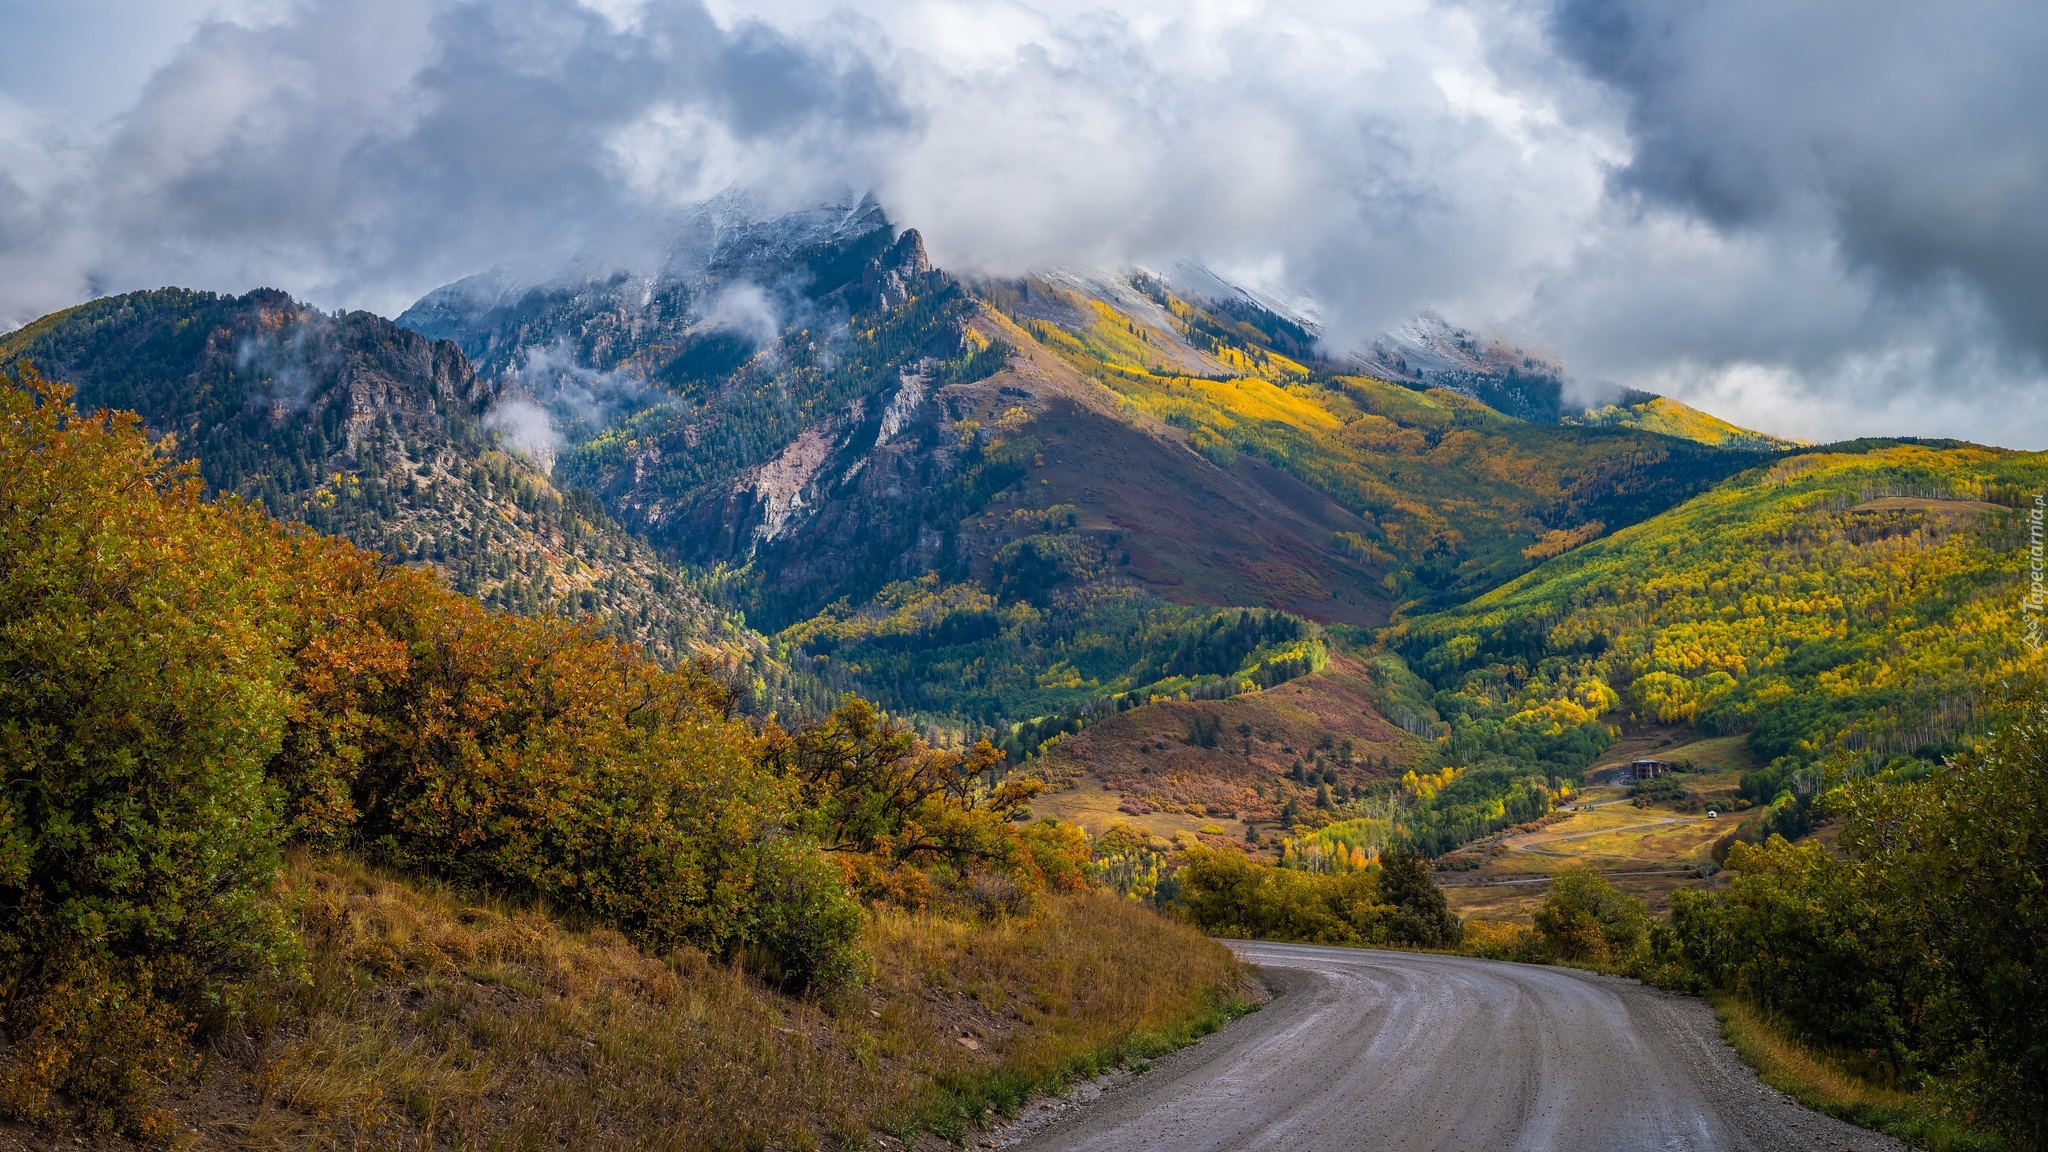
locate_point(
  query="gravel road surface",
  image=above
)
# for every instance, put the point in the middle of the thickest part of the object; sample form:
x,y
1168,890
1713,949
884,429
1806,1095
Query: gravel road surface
x,y
1406,1052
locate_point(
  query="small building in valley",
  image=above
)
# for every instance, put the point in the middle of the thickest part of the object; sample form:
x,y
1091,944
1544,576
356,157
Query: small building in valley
x,y
1649,769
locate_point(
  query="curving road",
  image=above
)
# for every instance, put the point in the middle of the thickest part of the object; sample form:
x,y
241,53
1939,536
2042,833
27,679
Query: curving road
x,y
1408,1052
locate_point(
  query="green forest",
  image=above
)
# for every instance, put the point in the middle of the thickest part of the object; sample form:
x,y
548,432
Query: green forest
x,y
1857,608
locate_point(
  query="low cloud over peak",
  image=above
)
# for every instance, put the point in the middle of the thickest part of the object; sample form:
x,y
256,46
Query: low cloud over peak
x,y
1817,218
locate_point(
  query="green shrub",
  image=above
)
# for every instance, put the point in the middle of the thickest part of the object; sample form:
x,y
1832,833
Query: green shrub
x,y
1919,951
1227,894
1959,862
1793,934
1586,920
141,695
1421,915
804,928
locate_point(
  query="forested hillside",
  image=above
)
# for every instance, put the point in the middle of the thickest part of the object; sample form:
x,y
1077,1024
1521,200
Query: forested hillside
x,y
1455,497
360,428
1863,599
1855,611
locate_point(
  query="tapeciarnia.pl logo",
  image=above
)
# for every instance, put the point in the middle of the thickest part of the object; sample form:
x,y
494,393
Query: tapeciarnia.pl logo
x,y
2037,570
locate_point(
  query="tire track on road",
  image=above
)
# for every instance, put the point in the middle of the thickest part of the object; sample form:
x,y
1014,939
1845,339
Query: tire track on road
x,y
1415,1052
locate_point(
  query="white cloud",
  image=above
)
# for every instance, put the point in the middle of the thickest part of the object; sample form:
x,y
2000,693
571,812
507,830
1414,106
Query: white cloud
x,y
526,430
745,310
1382,159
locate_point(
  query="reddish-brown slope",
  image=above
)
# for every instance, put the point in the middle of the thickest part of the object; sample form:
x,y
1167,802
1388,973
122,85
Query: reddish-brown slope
x,y
1195,532
1145,758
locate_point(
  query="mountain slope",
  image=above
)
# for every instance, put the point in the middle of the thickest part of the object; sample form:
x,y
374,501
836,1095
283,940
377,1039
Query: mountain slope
x,y
893,432
1431,352
1180,765
598,341
1455,495
1669,417
1865,598
361,428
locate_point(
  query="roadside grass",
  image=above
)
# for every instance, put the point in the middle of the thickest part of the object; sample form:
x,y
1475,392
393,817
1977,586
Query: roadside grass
x,y
1108,985
1826,1084
432,1017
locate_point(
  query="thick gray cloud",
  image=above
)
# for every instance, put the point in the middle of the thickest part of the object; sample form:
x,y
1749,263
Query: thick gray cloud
x,y
1902,142
1815,217
364,151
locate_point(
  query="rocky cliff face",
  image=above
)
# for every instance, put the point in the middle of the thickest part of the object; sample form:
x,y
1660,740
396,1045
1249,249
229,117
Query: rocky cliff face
x,y
879,424
365,429
823,459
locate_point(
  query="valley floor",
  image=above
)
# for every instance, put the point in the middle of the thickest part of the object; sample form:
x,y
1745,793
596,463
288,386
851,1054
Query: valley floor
x,y
1648,852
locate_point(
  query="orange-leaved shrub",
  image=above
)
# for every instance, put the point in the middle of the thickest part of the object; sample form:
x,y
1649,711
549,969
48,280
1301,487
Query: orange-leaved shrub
x,y
184,685
910,823
525,755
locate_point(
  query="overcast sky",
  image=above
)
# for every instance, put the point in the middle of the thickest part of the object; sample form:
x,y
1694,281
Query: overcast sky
x,y
1819,218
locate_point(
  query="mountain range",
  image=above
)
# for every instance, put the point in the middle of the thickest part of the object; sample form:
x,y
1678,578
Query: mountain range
x,y
1018,506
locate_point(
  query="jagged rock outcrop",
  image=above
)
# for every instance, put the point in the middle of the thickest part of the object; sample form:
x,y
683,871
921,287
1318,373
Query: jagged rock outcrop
x,y
888,278
365,429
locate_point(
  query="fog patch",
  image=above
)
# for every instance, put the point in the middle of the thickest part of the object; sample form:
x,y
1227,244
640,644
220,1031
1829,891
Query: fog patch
x,y
744,310
289,360
525,428
580,401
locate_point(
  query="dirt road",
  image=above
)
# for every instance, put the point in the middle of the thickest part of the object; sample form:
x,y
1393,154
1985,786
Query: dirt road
x,y
1408,1053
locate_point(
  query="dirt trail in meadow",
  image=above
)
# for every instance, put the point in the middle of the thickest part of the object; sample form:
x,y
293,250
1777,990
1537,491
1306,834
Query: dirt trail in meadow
x,y
1405,1052
1534,841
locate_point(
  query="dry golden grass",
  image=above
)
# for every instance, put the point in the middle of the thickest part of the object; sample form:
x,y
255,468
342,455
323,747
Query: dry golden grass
x,y
1090,983
1641,851
1645,841
1791,1067
431,1020
1824,1083
1496,902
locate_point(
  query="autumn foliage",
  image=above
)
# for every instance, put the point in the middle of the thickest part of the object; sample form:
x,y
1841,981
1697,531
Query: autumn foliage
x,y
187,686
143,690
